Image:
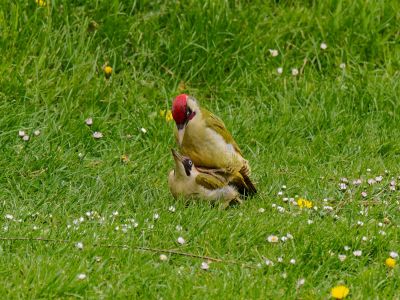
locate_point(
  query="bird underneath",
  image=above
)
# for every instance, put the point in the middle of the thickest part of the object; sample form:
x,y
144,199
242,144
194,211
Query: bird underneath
x,y
188,182
203,137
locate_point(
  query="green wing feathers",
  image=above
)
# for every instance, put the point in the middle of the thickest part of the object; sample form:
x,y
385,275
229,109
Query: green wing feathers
x,y
215,123
209,181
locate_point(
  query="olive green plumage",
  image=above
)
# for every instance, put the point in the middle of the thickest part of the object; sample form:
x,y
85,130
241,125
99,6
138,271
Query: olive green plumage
x,y
190,183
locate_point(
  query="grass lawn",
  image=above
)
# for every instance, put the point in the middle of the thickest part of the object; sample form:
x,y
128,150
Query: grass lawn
x,y
92,212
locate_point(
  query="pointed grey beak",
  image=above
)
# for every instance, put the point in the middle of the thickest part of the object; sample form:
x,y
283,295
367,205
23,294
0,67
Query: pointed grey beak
x,y
181,133
177,156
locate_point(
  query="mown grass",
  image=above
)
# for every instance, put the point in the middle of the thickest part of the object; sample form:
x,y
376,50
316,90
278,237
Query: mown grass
x,y
305,132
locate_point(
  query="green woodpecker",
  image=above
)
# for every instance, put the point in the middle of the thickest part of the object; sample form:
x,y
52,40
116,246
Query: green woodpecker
x,y
188,182
204,138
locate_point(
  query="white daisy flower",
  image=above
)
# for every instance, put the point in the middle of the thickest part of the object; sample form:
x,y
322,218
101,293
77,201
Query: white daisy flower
x,y
261,210
342,257
204,266
274,52
360,223
346,248
143,130
81,276
97,135
172,209
272,239
300,282
295,72
394,255
292,261
25,137
323,46
163,257
9,217
279,70
268,262
178,228
181,240
36,132
89,121
342,66
21,133
280,209
156,216
357,253
79,245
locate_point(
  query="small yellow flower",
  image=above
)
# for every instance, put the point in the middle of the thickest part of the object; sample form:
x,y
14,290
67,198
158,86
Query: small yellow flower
x,y
124,158
108,71
40,3
390,262
304,203
168,116
340,292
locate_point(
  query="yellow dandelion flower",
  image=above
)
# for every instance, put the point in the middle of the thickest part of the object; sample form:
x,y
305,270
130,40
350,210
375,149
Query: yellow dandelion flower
x,y
390,262
40,3
162,113
301,202
340,292
168,116
107,71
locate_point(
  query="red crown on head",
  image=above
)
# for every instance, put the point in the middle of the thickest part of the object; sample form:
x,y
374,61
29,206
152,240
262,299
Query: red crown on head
x,y
179,108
